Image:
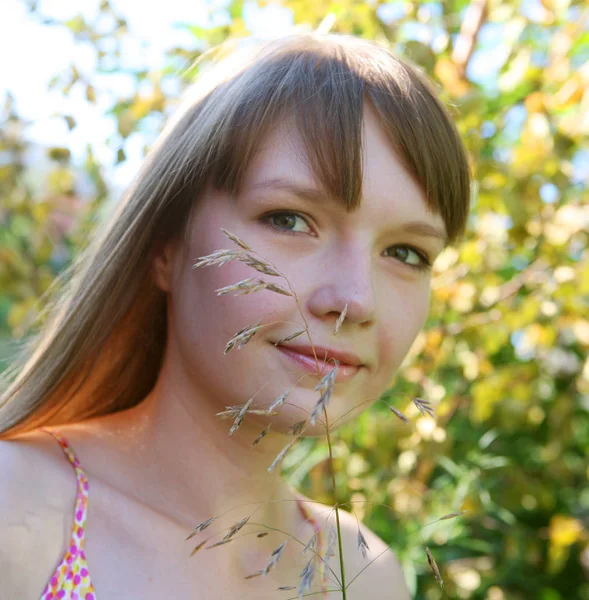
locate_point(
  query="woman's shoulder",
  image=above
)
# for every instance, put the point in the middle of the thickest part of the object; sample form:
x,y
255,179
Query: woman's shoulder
x,y
37,495
34,466
384,578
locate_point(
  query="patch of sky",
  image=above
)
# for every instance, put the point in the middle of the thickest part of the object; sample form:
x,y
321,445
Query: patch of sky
x,y
440,39
391,11
435,9
268,20
411,30
537,36
577,248
502,155
489,56
580,162
514,120
549,193
574,14
429,12
539,59
523,349
488,129
532,10
171,86
220,17
68,10
519,262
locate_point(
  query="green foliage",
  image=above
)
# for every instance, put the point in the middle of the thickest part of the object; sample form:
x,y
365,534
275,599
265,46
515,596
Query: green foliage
x,y
504,353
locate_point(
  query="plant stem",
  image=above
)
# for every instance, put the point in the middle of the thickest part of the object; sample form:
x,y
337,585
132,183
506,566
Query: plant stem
x,y
339,537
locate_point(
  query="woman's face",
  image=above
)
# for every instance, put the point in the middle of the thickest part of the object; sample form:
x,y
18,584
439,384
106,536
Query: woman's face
x,y
331,258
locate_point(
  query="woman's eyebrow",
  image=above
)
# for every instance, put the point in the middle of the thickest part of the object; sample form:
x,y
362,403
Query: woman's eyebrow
x,y
304,192
316,196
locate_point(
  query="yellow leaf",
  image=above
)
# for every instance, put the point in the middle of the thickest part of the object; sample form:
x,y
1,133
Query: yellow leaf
x,y
564,530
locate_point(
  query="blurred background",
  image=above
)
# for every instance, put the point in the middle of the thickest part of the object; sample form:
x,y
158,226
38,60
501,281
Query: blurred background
x,y
86,86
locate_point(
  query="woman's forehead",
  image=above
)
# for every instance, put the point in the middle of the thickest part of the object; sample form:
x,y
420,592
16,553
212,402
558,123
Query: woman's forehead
x,y
282,165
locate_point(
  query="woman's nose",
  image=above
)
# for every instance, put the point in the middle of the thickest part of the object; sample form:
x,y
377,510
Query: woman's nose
x,y
346,279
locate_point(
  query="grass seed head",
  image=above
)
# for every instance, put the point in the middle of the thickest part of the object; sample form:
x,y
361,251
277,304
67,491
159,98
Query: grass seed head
x,y
201,527
236,240
424,406
197,548
280,400
281,455
297,427
399,414
340,320
274,558
219,258
362,544
240,416
242,337
261,436
434,567
258,265
292,336
235,528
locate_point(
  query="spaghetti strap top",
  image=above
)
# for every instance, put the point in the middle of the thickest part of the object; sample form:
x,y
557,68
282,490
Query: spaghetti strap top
x,y
71,579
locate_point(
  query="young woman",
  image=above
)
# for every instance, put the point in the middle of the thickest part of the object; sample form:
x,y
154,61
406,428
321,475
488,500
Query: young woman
x,y
334,161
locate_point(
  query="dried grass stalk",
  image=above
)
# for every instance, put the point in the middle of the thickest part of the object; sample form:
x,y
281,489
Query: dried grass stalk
x,y
251,285
237,240
452,515
307,575
434,567
329,379
219,258
274,558
331,542
326,387
340,319
221,543
261,437
281,455
233,411
292,336
258,265
197,548
399,414
242,337
235,528
256,574
297,427
280,400
310,543
362,544
201,527
272,287
240,416
424,406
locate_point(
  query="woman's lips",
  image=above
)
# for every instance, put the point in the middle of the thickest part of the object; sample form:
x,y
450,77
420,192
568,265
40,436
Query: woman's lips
x,y
345,372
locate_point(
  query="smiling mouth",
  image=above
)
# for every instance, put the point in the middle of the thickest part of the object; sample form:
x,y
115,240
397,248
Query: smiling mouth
x,y
345,372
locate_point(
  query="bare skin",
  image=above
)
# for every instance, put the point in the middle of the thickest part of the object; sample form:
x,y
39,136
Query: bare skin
x,y
134,550
157,470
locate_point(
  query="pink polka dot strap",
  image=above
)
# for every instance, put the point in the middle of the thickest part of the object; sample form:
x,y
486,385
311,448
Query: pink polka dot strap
x,y
71,579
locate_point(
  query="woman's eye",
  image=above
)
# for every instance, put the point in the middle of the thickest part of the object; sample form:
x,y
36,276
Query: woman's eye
x,y
423,263
284,221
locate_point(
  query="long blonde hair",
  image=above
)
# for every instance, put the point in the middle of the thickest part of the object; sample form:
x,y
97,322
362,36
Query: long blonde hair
x,y
101,344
